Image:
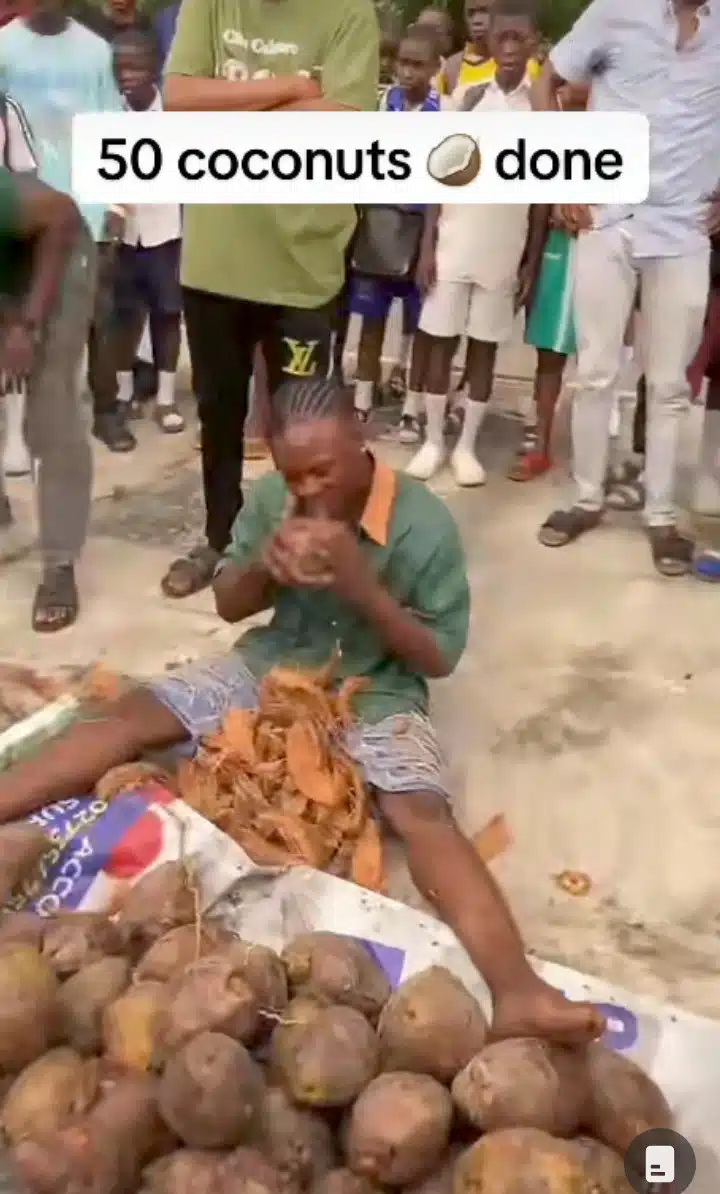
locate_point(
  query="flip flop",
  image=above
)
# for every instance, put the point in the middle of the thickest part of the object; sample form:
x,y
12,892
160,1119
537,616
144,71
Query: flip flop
x,y
169,419
565,526
625,490
672,552
397,383
56,603
706,566
191,573
529,465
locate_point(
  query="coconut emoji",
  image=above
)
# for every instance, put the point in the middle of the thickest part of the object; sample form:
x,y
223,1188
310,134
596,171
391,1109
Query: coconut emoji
x,y
456,161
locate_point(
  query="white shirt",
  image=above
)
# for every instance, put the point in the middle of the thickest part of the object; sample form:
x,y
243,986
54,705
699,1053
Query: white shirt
x,y
153,224
17,148
484,243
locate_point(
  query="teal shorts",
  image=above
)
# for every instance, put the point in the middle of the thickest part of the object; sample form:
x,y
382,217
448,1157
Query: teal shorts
x,y
550,324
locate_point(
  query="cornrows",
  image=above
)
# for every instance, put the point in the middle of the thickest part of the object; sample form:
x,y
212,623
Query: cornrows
x,y
303,401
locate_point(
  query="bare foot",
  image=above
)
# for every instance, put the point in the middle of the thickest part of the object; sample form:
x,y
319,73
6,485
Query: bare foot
x,y
540,1010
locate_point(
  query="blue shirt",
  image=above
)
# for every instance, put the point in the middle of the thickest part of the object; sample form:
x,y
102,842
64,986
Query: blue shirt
x,y
53,77
627,51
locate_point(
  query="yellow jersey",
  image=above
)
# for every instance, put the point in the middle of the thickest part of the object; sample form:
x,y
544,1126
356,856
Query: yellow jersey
x,y
471,74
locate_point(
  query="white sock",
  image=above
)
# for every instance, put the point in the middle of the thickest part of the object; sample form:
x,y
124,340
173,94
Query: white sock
x,y
126,383
435,411
474,415
363,395
412,405
166,389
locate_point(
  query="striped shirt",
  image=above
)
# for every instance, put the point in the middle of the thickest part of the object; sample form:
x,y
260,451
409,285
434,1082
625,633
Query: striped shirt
x,y
17,147
628,54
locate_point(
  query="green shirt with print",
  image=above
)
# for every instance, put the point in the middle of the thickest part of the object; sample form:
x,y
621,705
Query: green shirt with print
x,y
289,255
14,248
421,563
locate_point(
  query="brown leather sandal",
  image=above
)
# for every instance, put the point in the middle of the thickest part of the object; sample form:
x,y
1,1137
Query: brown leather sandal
x,y
191,573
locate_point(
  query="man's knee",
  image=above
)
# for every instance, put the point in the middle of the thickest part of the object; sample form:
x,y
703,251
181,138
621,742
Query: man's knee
x,y
412,814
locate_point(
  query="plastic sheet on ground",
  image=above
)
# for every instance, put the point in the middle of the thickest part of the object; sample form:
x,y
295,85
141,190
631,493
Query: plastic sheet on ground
x,y
97,849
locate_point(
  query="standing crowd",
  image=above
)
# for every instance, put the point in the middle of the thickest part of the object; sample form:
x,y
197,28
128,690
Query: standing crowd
x,y
355,562
266,292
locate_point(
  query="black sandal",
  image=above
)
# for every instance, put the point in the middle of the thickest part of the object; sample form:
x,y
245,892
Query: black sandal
x,y
56,603
565,526
625,490
191,573
672,552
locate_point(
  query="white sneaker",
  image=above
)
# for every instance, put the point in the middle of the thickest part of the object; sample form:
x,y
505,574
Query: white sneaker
x,y
427,462
467,469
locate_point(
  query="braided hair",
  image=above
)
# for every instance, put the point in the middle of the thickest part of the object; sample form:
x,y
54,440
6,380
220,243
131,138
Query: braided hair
x,y
303,401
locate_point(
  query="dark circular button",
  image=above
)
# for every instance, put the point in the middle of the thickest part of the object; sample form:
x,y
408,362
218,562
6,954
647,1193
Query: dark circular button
x,y
660,1162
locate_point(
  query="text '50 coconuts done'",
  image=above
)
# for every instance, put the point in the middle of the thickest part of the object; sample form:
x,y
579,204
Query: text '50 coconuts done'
x,y
457,161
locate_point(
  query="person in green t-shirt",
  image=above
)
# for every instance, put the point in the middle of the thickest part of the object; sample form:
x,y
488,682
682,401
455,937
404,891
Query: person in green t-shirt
x,y
361,567
260,274
46,295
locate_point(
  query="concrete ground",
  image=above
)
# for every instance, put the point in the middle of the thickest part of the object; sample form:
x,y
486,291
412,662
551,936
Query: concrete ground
x,y
584,709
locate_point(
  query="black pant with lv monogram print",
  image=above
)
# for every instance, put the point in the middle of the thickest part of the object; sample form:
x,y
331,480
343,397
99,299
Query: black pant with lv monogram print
x,y
223,334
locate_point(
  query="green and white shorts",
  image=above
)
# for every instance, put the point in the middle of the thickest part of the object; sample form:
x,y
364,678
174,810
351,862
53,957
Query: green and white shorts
x,y
551,323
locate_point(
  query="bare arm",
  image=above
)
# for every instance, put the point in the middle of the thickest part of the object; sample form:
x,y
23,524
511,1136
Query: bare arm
x,y
450,73
402,632
242,591
52,221
538,225
577,57
432,215
188,93
544,93
316,105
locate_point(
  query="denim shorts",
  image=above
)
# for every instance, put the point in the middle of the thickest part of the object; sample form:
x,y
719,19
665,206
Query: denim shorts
x,y
398,754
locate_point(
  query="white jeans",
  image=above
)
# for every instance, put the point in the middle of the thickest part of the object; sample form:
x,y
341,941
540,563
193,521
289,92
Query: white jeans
x,y
669,328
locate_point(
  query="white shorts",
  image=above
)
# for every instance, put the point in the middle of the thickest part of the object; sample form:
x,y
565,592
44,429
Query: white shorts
x,y
462,308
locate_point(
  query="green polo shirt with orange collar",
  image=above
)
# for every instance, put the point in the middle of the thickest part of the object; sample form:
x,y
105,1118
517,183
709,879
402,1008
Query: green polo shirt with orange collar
x,y
412,543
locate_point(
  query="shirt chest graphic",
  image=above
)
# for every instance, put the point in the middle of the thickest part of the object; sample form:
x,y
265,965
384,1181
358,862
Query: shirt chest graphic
x,y
245,55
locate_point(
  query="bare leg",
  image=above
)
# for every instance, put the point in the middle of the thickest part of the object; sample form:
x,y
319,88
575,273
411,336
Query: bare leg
x,y
480,370
548,387
419,361
436,352
127,335
72,763
408,430
367,373
165,336
448,873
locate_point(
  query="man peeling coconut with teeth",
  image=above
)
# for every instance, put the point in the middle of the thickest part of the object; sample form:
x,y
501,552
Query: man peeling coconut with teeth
x,y
478,263
341,549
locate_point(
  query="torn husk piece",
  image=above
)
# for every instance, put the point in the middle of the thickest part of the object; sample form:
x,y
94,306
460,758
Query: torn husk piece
x,y
279,781
493,839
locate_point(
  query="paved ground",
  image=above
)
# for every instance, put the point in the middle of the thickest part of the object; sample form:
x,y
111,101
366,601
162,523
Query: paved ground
x,y
585,709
